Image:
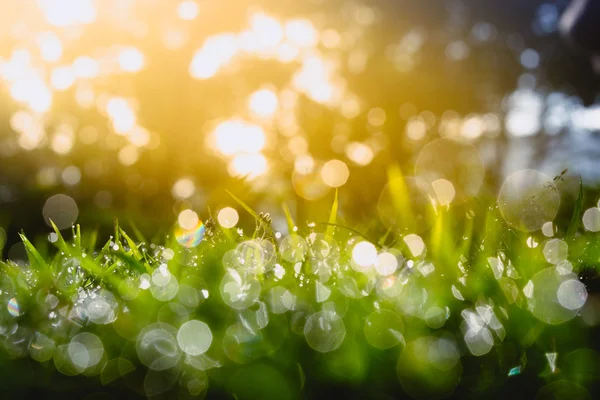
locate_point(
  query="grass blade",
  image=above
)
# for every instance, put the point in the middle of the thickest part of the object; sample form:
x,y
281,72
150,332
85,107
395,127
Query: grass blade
x,y
92,239
332,216
259,221
103,252
86,263
77,236
137,233
35,258
576,217
400,197
244,205
133,247
289,219
60,241
117,232
9,269
437,234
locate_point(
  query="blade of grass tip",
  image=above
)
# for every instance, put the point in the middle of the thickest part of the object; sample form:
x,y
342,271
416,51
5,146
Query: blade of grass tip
x,y
288,217
8,269
86,263
117,236
111,268
400,196
576,217
60,241
35,258
382,240
78,237
103,251
136,232
244,205
148,260
92,239
332,216
133,247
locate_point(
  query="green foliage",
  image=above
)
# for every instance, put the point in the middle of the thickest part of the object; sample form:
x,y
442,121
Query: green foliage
x,y
287,315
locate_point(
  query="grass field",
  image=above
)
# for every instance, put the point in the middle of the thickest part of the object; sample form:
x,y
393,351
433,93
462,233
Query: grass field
x,y
277,199
472,305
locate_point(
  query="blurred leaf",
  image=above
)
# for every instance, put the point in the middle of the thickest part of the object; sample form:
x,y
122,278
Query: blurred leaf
x,y
437,234
136,231
400,197
467,236
92,239
259,381
115,369
301,375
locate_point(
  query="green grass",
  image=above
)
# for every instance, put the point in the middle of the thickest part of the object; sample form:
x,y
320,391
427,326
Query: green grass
x,y
478,310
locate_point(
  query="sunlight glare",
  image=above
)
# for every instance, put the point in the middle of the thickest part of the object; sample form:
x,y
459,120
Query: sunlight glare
x,y
263,103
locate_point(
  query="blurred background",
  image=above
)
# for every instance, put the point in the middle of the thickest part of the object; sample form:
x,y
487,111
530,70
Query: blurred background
x,y
151,111
142,109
